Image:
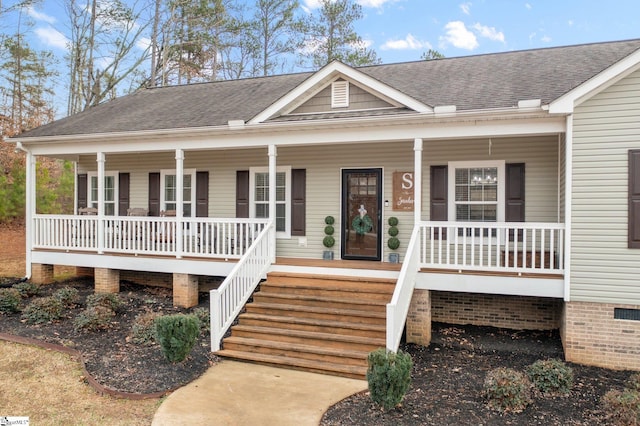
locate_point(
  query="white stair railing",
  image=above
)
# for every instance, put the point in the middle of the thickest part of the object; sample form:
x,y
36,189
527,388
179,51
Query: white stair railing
x,y
228,300
398,308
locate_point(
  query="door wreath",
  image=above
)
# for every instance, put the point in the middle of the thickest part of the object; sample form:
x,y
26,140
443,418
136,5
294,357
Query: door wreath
x,y
362,225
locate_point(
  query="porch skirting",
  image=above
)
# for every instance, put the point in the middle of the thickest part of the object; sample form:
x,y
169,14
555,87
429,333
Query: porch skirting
x,y
592,335
418,324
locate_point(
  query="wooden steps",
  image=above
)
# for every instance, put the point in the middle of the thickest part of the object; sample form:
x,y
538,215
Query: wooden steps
x,y
322,324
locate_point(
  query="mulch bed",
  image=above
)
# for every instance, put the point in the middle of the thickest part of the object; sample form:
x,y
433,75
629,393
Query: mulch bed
x,y
110,356
447,376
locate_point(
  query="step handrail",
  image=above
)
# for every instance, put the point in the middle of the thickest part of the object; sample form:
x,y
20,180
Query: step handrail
x,y
227,301
398,308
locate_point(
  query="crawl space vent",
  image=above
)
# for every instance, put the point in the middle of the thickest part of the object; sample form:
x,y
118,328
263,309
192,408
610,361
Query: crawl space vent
x,y
626,314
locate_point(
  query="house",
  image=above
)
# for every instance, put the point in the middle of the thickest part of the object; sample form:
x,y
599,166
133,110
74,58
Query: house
x,y
515,179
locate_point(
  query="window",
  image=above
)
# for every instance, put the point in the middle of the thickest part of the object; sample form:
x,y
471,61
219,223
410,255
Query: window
x,y
110,192
259,196
476,191
169,190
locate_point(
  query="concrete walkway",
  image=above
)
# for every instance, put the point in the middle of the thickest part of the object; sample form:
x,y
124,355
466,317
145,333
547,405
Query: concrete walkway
x,y
236,393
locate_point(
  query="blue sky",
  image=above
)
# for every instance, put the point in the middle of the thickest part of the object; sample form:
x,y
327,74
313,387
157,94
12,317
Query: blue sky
x,y
401,30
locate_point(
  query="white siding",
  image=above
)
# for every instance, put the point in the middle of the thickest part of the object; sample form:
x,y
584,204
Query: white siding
x,y
605,127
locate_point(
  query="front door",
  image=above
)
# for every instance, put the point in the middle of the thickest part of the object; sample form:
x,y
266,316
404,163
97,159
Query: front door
x,y
361,214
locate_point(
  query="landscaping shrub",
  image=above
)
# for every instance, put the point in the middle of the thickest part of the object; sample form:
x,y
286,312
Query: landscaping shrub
x,y
143,331
43,310
203,317
622,407
177,334
27,289
109,300
68,296
507,390
94,318
634,382
10,300
389,376
551,376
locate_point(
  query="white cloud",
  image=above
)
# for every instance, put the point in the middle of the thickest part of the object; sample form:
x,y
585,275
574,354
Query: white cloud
x,y
374,3
528,6
489,32
39,16
143,43
459,36
546,39
466,8
309,5
570,22
52,37
408,43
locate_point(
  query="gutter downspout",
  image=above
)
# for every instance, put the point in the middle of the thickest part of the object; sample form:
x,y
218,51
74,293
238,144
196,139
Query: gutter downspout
x,y
29,204
568,190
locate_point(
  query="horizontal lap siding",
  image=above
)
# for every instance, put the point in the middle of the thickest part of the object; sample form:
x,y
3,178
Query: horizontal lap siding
x,y
605,127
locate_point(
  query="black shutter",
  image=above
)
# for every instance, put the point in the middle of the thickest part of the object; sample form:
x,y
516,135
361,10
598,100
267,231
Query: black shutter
x,y
242,193
202,194
634,198
123,193
439,192
154,194
298,202
514,195
82,191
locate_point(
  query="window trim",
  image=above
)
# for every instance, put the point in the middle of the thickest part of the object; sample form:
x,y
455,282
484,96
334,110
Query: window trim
x,y
451,184
172,172
286,234
111,173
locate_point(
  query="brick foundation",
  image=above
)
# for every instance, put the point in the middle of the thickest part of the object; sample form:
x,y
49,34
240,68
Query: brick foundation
x,y
514,312
41,273
419,318
84,272
107,280
185,290
591,335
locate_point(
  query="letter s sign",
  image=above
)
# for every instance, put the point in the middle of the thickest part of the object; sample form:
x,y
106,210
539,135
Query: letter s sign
x,y
407,180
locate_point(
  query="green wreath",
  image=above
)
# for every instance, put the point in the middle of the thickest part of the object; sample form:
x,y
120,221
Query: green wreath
x,y
362,225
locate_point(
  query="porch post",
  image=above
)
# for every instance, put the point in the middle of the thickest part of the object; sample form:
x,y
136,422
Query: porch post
x,y
568,189
417,181
30,207
100,160
273,153
179,200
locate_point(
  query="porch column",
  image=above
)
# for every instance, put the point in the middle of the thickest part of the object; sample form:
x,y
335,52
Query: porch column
x,y
417,181
100,160
273,153
568,189
179,200
30,207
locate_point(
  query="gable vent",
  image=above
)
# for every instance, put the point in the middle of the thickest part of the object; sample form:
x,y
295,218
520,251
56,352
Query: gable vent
x,y
340,94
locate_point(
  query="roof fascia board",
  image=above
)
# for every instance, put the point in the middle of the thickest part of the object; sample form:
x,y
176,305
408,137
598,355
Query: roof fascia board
x,y
327,73
566,103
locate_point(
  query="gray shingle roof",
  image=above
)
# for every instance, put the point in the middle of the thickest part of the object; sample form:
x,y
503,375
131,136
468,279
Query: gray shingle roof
x,y
473,82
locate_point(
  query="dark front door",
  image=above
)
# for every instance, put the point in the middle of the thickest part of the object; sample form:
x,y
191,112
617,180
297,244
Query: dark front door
x,y
361,214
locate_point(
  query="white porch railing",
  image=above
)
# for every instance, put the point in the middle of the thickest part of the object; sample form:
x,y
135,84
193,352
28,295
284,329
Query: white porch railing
x,y
228,299
398,308
201,237
520,247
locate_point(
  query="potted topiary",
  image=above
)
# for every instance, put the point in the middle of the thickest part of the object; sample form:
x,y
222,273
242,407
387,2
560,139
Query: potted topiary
x,y
328,241
393,243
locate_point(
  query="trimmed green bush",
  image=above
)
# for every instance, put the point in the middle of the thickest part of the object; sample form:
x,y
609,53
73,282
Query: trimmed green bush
x,y
552,376
507,390
203,317
68,296
329,220
143,330
389,376
108,300
622,407
328,241
43,310
94,318
10,300
393,243
177,334
393,221
329,230
27,289
393,231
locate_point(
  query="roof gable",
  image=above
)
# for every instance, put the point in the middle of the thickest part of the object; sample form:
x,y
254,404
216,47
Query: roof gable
x,y
322,80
